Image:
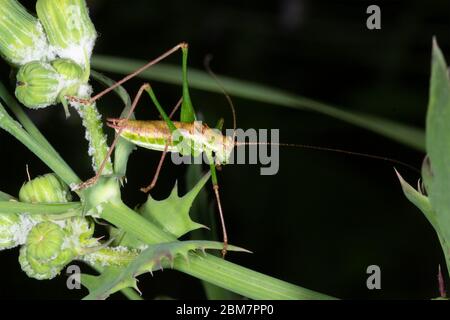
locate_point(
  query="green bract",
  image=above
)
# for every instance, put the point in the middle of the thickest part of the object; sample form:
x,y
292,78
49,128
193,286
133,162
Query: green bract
x,y
9,225
22,38
69,29
80,229
44,254
45,189
68,69
38,85
72,76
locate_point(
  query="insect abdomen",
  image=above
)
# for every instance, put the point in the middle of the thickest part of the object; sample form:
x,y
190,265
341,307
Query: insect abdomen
x,y
155,135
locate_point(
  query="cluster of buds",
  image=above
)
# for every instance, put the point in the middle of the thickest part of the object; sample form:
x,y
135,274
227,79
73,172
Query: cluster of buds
x,y
47,245
52,51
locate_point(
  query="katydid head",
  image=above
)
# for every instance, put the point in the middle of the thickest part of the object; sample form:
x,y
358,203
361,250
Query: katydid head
x,y
115,123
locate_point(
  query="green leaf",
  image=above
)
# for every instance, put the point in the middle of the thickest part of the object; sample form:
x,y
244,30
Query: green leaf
x,y
155,257
123,147
438,140
172,214
399,132
6,197
418,199
102,286
244,281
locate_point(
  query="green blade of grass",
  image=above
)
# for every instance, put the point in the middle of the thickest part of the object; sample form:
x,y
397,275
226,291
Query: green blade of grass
x,y
38,208
54,162
410,136
29,126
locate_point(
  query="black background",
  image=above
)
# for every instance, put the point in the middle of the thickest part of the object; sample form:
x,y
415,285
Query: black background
x,y
324,217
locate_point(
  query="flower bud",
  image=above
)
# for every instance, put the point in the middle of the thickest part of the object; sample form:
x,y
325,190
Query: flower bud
x,y
41,84
69,29
22,38
38,85
45,189
44,254
68,69
45,240
9,225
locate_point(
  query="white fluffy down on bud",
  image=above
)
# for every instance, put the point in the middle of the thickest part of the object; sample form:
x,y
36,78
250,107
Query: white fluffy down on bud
x,y
78,52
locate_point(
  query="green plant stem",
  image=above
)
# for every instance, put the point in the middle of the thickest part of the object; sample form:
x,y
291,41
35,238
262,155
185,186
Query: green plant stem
x,y
58,166
402,133
17,110
131,294
217,271
31,208
98,148
123,147
29,126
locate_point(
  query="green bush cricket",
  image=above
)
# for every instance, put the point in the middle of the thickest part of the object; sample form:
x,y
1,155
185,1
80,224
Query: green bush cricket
x,y
159,134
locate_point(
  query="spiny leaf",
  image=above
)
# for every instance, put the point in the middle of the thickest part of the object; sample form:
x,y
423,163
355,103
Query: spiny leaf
x,y
172,214
151,259
99,286
418,199
438,140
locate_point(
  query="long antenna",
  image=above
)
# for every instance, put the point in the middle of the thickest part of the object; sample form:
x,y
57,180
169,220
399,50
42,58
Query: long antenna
x,y
207,63
335,150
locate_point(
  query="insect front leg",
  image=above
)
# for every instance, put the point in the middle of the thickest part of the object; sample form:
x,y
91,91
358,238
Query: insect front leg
x,y
94,179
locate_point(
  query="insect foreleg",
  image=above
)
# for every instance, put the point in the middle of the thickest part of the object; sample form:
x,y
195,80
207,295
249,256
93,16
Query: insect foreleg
x,y
113,145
